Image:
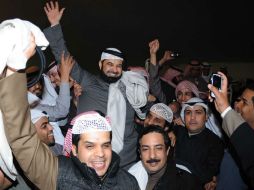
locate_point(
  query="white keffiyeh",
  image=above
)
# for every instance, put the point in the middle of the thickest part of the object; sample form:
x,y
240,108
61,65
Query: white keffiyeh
x,y
136,93
49,95
15,37
6,159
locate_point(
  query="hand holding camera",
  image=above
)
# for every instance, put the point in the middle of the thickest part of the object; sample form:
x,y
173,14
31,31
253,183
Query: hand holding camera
x,y
219,92
216,81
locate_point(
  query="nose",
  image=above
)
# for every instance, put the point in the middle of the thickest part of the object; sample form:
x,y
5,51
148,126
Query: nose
x,y
99,152
184,98
50,128
193,115
152,153
114,68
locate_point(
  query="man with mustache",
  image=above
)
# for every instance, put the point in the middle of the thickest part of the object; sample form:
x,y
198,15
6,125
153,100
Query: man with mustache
x,y
115,93
154,147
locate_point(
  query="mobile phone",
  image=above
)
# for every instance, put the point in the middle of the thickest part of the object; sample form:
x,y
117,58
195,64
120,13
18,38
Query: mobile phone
x,y
215,80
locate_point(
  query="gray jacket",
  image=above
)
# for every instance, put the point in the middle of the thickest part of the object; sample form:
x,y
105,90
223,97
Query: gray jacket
x,y
95,95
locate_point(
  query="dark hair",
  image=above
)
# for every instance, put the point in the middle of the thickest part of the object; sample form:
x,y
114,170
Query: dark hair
x,y
76,137
154,129
250,86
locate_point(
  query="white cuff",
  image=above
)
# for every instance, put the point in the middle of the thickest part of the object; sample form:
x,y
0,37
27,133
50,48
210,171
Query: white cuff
x,y
225,111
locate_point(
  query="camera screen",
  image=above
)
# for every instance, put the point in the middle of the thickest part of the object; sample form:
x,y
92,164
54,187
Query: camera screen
x,y
216,80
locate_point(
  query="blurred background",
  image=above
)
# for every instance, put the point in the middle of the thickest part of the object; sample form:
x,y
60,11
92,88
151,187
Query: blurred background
x,y
218,32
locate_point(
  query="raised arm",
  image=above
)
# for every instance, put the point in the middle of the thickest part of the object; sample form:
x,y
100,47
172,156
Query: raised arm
x,y
240,132
61,109
56,40
34,157
231,120
53,12
166,57
154,80
54,33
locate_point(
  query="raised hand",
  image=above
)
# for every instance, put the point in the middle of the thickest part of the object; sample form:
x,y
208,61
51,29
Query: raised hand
x,y
19,59
154,46
53,12
166,57
77,89
66,65
30,50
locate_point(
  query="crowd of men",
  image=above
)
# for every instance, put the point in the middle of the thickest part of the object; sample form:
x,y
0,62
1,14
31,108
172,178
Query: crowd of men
x,y
151,127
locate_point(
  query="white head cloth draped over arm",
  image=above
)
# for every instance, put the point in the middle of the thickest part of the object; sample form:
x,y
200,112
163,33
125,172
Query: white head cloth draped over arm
x,y
15,37
136,93
49,95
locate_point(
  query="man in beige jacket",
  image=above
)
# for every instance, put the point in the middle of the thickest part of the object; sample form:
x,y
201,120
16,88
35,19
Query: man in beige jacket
x,y
238,127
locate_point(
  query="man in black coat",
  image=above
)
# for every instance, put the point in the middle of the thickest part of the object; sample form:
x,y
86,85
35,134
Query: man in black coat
x,y
198,150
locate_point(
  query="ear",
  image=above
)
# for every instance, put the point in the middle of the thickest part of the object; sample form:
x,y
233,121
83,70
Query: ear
x,y
206,118
74,150
100,64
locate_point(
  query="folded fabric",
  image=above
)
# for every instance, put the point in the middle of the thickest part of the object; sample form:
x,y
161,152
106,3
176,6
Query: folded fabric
x,y
15,36
6,159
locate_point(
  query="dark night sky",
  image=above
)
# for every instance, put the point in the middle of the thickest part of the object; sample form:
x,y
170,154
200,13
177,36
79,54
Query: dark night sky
x,y
204,29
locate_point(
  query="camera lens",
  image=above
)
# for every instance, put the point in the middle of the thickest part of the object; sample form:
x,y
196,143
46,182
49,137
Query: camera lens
x,y
174,54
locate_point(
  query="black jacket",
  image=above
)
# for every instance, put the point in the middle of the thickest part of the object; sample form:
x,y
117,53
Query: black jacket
x,y
175,179
201,153
243,142
74,175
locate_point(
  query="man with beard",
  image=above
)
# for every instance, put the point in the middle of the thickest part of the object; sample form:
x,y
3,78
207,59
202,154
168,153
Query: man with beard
x,y
44,130
115,93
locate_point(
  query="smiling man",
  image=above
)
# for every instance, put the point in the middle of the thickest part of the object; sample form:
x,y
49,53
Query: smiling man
x,y
93,164
43,128
157,169
115,93
93,156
